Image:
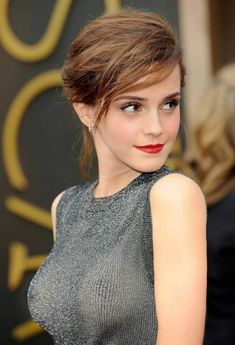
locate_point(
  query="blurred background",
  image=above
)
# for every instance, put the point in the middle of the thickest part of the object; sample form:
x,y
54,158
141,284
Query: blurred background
x,y
39,132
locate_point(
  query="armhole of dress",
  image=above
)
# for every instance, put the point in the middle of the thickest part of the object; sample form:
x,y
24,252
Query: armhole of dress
x,y
59,224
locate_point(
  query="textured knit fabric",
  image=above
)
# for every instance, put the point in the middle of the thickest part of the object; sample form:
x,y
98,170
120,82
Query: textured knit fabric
x,y
96,286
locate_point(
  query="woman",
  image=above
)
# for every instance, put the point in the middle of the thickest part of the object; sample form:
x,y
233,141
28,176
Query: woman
x,y
128,265
210,160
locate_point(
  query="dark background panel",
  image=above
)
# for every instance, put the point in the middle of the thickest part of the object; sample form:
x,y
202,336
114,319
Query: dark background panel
x,y
222,29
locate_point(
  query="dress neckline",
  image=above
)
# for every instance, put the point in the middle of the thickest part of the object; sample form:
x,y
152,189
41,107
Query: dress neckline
x,y
101,202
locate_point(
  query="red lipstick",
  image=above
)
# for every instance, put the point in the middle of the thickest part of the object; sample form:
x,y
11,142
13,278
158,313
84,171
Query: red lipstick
x,y
151,148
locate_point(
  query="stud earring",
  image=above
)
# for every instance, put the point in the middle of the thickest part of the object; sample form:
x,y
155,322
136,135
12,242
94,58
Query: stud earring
x,y
90,127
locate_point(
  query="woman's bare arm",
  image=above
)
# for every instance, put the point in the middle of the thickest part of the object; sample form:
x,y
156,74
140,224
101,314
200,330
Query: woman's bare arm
x,y
53,213
180,267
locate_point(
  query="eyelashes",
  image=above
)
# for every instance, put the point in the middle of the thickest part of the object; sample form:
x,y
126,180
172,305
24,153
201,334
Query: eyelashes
x,y
132,107
171,104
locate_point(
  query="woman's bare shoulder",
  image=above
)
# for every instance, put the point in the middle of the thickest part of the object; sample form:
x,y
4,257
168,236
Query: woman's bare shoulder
x,y
176,187
53,212
177,202
178,213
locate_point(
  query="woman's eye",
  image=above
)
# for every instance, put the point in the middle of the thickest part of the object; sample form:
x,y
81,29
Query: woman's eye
x,y
131,107
170,105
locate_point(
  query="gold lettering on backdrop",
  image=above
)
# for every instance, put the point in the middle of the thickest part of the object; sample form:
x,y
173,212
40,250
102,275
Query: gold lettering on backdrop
x,y
28,211
44,47
112,5
11,127
20,262
26,330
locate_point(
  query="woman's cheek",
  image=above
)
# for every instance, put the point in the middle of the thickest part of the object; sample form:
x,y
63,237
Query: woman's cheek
x,y
173,126
123,129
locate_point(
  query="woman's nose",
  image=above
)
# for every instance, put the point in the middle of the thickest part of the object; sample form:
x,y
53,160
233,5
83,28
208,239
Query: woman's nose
x,y
153,124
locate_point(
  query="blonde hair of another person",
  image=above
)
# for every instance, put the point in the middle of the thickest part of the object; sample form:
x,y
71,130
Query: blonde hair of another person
x,y
210,155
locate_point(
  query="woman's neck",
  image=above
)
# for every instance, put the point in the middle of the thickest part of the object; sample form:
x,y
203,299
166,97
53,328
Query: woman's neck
x,y
111,183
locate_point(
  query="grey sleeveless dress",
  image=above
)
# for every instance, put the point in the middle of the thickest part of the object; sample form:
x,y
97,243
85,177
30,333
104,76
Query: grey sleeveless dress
x,y
96,286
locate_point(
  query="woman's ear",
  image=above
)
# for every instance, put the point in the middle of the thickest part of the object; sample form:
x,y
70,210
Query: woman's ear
x,y
84,113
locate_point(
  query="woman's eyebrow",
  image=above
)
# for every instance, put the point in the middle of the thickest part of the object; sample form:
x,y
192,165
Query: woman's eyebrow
x,y
142,99
135,98
172,95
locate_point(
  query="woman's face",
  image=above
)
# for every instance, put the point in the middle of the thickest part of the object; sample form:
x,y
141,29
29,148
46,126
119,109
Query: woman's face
x,y
138,119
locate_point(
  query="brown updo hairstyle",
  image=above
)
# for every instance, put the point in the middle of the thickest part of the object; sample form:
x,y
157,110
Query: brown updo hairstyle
x,y
111,55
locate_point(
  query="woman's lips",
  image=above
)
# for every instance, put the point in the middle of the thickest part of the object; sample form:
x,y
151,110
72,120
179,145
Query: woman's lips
x,y
151,148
